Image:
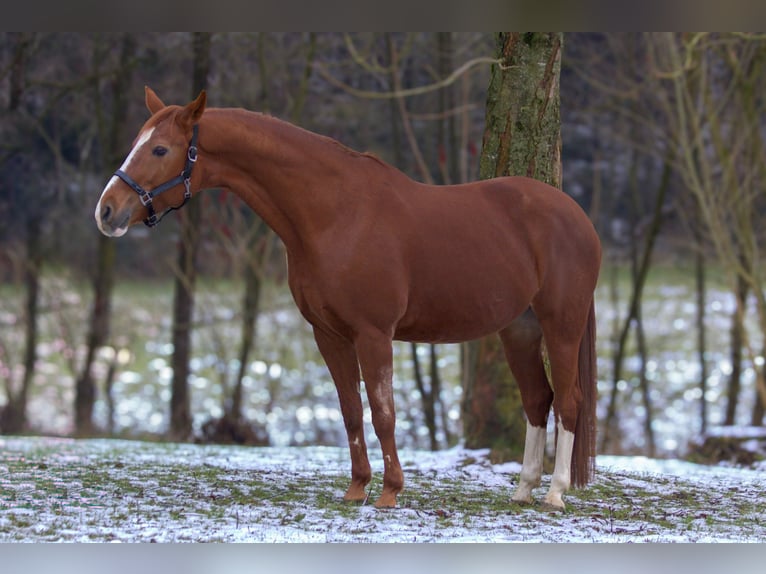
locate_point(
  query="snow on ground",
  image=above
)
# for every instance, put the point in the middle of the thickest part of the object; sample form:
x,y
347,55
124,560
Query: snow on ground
x,y
110,490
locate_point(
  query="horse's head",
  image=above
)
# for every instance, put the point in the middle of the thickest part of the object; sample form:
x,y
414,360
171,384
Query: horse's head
x,y
148,182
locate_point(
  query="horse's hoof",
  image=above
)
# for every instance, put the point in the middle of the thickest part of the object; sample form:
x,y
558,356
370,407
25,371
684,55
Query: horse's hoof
x,y
386,501
553,505
522,496
356,494
354,499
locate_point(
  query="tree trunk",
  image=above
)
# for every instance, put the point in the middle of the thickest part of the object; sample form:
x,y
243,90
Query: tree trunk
x,y
17,81
447,126
640,272
427,398
183,314
103,281
521,137
183,304
700,282
737,337
643,382
14,416
250,308
85,387
759,407
34,265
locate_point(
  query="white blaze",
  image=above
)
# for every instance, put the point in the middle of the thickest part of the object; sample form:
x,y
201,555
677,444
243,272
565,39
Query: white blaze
x,y
136,148
124,167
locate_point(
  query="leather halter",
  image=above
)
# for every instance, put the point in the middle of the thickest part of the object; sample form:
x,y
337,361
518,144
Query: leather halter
x,y
146,197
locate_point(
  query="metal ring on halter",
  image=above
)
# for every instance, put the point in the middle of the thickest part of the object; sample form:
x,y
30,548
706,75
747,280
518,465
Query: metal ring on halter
x,y
145,198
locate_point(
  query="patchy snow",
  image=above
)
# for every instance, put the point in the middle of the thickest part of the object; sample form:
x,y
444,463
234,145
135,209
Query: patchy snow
x,y
737,432
681,469
109,490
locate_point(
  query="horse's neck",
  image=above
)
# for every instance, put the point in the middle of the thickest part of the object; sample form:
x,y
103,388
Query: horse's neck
x,y
290,177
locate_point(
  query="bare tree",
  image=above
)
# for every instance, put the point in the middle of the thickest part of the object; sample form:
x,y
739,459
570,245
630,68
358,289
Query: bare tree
x,y
641,252
710,110
183,302
103,279
687,100
13,417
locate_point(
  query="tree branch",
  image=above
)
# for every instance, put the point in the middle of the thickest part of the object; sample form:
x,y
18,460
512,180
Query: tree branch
x,y
404,93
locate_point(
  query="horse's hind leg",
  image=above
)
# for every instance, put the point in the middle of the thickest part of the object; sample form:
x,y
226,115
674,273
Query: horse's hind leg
x,y
341,359
522,344
563,333
563,357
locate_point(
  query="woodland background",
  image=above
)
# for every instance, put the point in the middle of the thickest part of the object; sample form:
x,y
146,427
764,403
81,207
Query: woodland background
x,y
187,331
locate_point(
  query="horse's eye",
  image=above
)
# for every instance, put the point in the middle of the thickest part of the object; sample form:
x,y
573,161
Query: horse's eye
x,y
160,151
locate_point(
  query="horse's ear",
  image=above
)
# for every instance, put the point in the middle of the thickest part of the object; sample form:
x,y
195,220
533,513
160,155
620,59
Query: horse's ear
x,y
192,112
153,102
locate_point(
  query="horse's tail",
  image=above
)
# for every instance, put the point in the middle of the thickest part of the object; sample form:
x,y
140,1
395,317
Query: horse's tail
x,y
584,450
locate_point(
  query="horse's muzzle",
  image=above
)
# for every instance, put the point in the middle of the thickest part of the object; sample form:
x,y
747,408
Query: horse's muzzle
x,y
112,222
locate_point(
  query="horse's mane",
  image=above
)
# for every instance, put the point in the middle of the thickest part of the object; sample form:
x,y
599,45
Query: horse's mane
x,y
353,152
285,125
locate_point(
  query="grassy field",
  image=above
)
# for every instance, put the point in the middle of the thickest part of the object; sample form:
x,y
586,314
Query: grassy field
x,y
109,490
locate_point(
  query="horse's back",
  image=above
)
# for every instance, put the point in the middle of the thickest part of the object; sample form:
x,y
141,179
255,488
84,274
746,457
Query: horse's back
x,y
555,227
477,254
516,216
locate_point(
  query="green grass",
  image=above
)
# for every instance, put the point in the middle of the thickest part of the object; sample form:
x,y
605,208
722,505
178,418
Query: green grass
x,y
139,491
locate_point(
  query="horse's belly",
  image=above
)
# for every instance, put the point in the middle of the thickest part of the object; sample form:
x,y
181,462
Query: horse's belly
x,y
467,289
458,321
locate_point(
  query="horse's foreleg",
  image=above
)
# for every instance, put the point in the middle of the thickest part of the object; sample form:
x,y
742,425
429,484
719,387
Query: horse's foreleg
x,y
341,359
376,359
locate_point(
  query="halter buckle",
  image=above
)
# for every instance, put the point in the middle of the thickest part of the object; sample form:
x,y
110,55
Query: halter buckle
x,y
145,197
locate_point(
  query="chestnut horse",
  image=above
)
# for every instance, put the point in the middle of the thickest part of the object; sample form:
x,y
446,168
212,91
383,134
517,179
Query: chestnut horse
x,y
374,256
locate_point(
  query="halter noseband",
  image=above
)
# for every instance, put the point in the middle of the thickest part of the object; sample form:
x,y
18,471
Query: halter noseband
x,y
146,197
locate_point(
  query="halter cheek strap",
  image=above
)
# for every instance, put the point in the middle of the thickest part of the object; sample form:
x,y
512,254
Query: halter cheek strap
x,y
146,197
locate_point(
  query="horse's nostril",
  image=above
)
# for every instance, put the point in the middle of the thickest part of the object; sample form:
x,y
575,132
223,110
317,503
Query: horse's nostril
x,y
105,213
